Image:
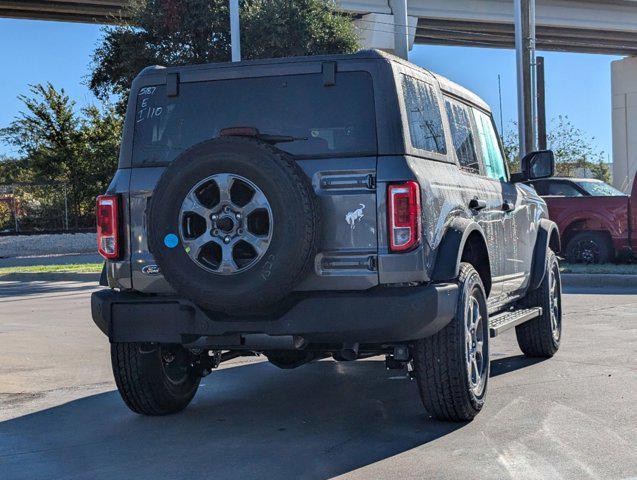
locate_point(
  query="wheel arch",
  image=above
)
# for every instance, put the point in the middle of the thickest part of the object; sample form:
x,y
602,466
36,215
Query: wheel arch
x,y
591,223
464,241
548,236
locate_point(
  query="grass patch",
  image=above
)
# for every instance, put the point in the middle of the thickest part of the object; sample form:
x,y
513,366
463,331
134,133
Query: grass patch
x,y
70,268
602,268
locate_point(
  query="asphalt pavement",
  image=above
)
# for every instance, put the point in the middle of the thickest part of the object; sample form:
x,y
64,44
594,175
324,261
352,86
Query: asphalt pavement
x,y
62,259
570,417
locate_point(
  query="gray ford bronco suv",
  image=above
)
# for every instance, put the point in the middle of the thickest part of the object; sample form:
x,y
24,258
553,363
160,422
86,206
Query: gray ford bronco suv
x,y
340,206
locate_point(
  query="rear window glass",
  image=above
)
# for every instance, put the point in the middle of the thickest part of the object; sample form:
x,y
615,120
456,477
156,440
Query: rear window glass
x,y
334,120
462,135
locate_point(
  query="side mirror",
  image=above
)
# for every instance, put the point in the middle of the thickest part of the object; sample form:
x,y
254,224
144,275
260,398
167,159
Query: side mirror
x,y
534,165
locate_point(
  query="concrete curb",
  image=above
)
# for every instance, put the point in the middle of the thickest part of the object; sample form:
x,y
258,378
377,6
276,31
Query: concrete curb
x,y
599,280
51,277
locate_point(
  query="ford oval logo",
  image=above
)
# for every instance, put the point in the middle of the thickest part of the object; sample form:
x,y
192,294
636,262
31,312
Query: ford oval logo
x,y
150,270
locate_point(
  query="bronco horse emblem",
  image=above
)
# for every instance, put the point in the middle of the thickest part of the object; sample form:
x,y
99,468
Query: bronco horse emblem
x,y
352,217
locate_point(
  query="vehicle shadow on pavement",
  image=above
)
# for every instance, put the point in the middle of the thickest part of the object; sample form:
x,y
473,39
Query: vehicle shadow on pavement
x,y
504,365
250,421
21,290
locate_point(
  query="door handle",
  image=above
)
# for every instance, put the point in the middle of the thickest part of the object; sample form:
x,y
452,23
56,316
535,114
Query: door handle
x,y
477,204
507,206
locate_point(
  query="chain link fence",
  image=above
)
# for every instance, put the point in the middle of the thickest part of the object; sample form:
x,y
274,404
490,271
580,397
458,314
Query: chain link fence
x,y
28,208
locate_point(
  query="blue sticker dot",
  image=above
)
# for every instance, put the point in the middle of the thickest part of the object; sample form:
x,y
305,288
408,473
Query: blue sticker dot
x,y
171,240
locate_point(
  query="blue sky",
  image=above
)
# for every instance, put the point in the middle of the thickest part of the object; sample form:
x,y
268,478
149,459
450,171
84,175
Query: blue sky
x,y
578,85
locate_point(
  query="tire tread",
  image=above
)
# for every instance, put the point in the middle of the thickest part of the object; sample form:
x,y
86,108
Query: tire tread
x,y
534,337
138,384
441,372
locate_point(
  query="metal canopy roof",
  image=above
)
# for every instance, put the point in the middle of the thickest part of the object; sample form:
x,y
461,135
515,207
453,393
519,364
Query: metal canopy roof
x,y
500,35
86,11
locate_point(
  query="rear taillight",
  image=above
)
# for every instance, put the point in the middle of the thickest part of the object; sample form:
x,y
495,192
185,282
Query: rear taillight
x,y
403,202
108,226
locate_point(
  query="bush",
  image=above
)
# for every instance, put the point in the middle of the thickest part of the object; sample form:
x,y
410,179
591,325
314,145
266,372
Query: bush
x,y
6,216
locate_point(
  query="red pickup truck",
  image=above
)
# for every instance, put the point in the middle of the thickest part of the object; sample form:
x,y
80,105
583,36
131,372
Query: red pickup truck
x,y
597,222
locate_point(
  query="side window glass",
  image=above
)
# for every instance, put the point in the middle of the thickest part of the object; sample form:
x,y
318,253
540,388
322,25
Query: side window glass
x,y
491,153
423,114
540,187
563,189
462,135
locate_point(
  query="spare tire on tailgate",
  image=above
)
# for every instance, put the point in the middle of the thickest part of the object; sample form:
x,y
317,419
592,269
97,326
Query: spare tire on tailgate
x,y
233,224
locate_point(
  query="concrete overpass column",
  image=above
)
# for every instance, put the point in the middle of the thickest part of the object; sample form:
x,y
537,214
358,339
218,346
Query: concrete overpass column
x,y
394,33
624,91
401,32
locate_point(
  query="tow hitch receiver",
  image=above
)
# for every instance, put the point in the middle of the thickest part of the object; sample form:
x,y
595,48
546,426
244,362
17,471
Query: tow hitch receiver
x,y
208,360
398,359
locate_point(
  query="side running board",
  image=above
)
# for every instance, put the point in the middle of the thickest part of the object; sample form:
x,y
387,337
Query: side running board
x,y
506,320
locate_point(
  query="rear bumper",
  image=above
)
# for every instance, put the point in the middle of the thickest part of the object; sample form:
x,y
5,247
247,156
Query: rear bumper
x,y
380,315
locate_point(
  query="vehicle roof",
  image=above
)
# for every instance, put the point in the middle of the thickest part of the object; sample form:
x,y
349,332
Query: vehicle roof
x,y
446,85
459,91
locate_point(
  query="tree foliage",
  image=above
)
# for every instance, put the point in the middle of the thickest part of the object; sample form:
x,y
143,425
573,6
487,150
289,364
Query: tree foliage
x,y
14,170
181,32
5,216
575,153
281,28
60,145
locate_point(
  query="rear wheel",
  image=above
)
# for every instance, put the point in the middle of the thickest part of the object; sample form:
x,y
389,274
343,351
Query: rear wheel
x,y
541,336
154,379
589,247
452,366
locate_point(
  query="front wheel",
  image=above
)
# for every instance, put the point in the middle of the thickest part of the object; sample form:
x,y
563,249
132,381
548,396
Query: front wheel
x,y
154,379
541,336
452,366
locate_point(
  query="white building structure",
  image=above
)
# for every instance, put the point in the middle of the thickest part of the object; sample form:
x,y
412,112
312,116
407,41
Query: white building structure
x,y
624,89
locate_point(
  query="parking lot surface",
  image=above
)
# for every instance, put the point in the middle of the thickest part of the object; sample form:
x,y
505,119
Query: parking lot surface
x,y
570,417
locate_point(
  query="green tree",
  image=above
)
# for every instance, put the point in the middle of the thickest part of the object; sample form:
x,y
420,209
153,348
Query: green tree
x,y
60,145
14,170
181,32
283,28
574,151
101,133
511,148
5,215
601,171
